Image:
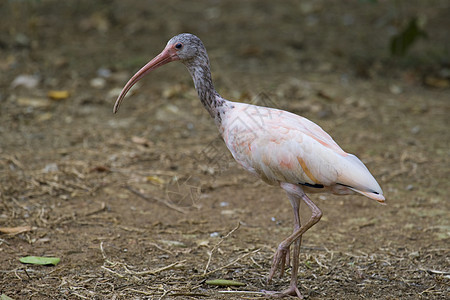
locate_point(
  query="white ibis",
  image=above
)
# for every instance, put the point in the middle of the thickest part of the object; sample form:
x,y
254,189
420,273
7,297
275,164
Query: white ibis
x,y
279,147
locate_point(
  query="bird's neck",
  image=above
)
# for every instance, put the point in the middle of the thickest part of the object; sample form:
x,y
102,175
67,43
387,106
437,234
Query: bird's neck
x,y
201,74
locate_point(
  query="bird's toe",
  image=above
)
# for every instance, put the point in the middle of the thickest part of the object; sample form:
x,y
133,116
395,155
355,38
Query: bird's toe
x,y
280,258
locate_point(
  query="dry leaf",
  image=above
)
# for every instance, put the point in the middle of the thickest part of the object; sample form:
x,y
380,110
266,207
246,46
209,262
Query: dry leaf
x,y
155,179
437,82
140,141
15,230
58,95
100,169
34,102
44,117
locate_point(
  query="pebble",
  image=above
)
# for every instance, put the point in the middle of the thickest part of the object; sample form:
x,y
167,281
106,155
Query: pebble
x,y
52,167
104,72
98,82
415,129
395,89
27,81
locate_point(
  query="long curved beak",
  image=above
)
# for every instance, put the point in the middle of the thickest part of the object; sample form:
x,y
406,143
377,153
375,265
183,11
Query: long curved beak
x,y
166,56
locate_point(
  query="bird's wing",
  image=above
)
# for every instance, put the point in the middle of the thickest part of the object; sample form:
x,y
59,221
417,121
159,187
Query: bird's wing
x,y
282,147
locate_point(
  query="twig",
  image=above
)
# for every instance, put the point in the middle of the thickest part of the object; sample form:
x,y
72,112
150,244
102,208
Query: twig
x,y
217,245
103,251
28,275
153,272
127,228
140,292
232,263
428,290
13,160
114,272
258,265
320,264
242,292
78,295
164,294
169,205
189,294
160,248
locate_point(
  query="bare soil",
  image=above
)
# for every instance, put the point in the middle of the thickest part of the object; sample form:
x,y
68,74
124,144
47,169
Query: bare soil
x,y
148,203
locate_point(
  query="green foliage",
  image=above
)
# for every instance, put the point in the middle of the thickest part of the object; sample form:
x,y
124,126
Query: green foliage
x,y
401,42
36,260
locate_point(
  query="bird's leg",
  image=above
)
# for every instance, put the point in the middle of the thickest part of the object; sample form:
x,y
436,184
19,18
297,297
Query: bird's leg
x,y
295,193
293,289
295,202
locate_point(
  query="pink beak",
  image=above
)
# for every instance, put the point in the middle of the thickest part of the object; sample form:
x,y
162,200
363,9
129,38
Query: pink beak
x,y
167,55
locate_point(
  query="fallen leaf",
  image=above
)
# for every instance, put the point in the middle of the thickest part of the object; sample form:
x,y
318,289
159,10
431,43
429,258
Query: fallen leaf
x,y
100,169
58,95
140,141
44,117
204,243
34,102
4,297
224,282
15,230
437,82
155,179
38,260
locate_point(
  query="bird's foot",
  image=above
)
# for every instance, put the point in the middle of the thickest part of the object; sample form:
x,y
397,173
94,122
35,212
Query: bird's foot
x,y
291,291
280,260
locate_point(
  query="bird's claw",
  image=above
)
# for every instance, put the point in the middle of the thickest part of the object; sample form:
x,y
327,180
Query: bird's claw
x,y
291,291
281,259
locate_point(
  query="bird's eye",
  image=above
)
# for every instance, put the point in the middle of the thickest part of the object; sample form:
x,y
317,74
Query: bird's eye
x,y
179,46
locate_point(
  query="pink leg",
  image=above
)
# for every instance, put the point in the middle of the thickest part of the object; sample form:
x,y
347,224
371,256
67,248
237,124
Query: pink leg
x,y
295,193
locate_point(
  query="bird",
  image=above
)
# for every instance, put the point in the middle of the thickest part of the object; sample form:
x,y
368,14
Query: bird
x,y
279,147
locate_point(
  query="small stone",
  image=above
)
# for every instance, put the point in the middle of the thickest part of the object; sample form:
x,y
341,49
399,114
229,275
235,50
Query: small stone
x,y
49,168
27,81
114,92
415,129
22,40
98,82
395,89
104,72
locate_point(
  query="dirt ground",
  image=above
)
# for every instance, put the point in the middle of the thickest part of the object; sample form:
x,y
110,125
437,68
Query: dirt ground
x,y
149,204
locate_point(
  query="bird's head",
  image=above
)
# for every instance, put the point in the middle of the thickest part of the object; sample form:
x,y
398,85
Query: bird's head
x,y
184,47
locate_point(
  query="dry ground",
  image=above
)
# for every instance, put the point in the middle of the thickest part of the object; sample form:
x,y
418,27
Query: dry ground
x,y
140,205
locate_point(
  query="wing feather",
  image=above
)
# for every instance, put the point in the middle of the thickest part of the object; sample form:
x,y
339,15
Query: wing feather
x,y
283,147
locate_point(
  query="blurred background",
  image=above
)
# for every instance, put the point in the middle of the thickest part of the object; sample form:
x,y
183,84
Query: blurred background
x,y
374,74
